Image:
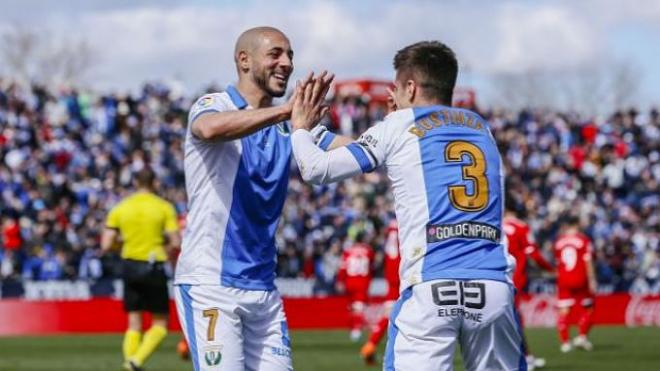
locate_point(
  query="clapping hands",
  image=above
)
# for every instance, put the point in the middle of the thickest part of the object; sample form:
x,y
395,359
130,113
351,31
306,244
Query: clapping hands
x,y
309,100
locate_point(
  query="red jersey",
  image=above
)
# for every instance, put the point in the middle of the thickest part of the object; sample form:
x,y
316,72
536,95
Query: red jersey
x,y
356,262
521,245
573,252
12,236
355,271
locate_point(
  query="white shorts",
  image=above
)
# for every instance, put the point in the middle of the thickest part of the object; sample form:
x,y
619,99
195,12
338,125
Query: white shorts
x,y
430,318
231,329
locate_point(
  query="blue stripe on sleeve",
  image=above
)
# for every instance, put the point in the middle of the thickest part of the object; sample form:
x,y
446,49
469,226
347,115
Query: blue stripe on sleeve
x,y
358,152
327,139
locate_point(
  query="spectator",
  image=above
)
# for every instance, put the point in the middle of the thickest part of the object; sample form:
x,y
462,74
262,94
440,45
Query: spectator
x,y
65,154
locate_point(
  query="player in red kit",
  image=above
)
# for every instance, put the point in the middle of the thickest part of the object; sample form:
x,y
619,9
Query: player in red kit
x,y
354,278
576,283
391,273
521,245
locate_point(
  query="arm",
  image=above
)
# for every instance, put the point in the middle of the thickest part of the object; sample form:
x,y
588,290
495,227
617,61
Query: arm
x,y
172,235
319,167
237,124
328,140
591,274
211,121
173,241
108,239
532,250
540,260
110,234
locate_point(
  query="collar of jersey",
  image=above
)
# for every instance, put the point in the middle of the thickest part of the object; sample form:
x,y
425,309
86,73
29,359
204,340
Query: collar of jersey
x,y
236,97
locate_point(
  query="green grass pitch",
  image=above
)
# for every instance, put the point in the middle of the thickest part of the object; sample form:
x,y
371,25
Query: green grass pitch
x,y
615,348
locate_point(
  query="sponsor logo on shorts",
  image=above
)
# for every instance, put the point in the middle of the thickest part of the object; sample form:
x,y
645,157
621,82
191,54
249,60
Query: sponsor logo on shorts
x,y
460,312
460,295
473,230
281,352
213,356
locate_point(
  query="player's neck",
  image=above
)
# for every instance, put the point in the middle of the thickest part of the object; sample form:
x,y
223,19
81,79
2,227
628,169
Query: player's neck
x,y
144,190
423,102
253,95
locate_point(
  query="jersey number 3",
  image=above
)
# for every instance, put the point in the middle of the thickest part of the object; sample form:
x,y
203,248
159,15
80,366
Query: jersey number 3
x,y
475,172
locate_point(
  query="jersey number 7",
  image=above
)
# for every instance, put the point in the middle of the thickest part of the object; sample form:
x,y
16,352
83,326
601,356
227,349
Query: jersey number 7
x,y
475,172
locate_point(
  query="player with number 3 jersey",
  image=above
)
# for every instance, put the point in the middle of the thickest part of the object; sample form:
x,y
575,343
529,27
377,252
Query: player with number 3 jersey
x,y
447,180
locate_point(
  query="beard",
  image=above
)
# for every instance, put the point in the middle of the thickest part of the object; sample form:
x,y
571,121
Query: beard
x,y
262,80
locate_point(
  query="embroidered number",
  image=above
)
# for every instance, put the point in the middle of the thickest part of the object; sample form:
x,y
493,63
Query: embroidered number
x,y
475,172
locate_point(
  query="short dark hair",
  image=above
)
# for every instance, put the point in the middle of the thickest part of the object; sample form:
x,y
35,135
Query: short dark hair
x,y
572,220
434,64
145,177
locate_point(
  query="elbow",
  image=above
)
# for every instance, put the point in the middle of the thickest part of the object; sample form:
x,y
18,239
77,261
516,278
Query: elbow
x,y
205,134
210,130
312,176
208,133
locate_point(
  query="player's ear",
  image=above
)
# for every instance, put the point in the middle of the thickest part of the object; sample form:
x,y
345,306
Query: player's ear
x,y
411,90
243,61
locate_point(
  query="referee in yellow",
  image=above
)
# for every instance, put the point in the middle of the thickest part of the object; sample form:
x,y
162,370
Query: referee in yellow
x,y
148,226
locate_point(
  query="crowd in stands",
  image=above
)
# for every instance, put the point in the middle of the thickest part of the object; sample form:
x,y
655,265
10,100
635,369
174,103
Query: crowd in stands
x,y
67,156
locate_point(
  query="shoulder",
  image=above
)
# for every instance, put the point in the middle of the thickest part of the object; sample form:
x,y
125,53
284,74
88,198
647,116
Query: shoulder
x,y
161,202
122,204
212,102
388,129
400,118
115,213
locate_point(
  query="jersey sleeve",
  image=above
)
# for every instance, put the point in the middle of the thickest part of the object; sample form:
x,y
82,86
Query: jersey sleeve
x,y
206,104
361,156
112,220
319,167
370,147
171,224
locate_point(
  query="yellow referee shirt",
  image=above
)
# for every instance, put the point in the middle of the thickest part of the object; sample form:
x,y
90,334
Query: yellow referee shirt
x,y
142,219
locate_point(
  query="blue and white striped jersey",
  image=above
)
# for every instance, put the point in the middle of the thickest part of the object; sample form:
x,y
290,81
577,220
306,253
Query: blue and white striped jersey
x,y
447,180
236,191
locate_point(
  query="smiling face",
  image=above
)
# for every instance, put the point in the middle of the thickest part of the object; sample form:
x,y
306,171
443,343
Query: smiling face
x,y
270,62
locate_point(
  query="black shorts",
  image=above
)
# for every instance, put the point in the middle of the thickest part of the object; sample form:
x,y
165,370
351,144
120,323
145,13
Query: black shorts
x,y
145,287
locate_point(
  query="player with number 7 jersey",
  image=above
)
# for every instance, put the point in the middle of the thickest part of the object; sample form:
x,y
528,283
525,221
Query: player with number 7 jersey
x,y
447,179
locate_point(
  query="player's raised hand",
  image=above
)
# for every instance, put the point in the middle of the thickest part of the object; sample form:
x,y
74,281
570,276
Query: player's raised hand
x,y
289,104
309,104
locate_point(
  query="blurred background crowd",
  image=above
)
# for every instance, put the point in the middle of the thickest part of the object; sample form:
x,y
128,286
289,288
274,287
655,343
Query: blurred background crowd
x,y
67,156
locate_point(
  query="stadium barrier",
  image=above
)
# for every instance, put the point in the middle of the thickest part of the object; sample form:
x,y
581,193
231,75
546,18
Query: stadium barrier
x,y
103,315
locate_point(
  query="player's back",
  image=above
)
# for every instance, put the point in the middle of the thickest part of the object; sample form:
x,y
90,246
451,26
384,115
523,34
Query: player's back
x,y
446,177
572,254
236,191
142,219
